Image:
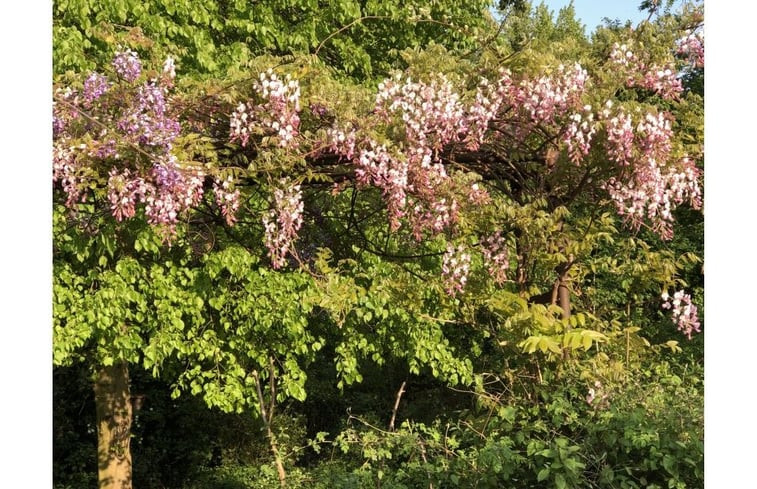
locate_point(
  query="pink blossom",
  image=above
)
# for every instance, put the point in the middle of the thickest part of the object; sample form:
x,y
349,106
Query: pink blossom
x,y
662,81
276,116
620,135
551,96
684,312
691,47
127,65
455,268
496,256
94,87
283,221
66,171
578,134
432,113
226,199
651,193
124,190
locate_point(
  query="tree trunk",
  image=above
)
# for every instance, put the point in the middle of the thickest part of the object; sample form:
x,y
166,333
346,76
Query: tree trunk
x,y
560,296
114,412
267,415
277,457
563,293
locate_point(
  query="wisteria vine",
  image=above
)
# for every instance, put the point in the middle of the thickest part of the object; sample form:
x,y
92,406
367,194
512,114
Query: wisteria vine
x,y
131,127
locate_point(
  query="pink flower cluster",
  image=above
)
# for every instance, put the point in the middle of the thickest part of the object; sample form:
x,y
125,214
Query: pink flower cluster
x,y
135,145
227,199
692,48
620,135
62,113
147,121
127,65
653,192
432,116
342,141
65,171
549,99
551,96
455,268
94,87
496,256
684,184
621,55
432,215
277,115
654,186
432,113
124,190
283,221
174,191
478,195
661,80
577,136
654,135
376,166
167,191
486,106
684,312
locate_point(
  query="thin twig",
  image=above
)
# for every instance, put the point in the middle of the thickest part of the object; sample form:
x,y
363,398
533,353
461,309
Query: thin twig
x,y
397,405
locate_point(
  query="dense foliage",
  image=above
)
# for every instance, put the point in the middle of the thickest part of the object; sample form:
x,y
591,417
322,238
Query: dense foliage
x,y
481,268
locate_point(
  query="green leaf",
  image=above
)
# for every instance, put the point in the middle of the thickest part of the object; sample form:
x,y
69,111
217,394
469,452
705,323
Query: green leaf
x,y
560,481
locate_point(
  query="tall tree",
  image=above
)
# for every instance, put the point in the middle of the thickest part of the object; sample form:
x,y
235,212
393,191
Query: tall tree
x,y
222,234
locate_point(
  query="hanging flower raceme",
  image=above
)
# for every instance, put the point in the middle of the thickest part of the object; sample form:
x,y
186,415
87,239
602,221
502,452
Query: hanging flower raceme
x,y
652,186
283,221
496,256
167,191
124,191
66,170
490,98
342,141
684,312
127,65
227,199
277,116
691,47
376,166
549,97
147,121
653,192
94,87
432,113
620,135
127,130
455,268
432,216
578,134
654,134
170,192
662,80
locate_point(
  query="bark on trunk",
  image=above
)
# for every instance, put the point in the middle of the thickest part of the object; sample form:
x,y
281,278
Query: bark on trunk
x,y
563,293
277,457
114,413
563,297
267,415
